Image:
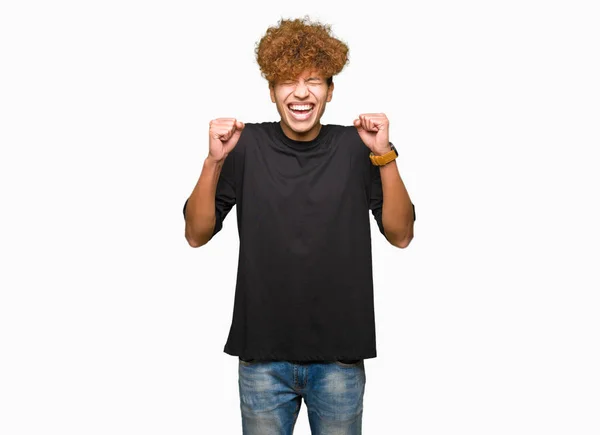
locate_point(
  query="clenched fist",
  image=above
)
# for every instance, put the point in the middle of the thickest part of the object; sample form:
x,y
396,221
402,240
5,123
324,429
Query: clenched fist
x,y
373,129
223,137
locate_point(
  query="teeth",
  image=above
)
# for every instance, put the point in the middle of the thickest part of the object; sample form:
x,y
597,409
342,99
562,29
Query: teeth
x,y
301,107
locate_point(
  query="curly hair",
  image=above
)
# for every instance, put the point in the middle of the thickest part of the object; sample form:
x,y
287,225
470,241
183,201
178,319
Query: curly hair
x,y
294,46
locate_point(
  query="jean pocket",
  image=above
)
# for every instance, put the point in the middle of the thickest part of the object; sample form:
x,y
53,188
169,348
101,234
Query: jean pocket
x,y
248,362
349,363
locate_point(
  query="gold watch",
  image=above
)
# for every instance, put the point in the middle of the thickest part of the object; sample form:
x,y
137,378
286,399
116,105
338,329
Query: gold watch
x,y
384,159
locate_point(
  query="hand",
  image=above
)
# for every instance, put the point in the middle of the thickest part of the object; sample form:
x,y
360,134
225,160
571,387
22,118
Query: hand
x,y
223,137
373,129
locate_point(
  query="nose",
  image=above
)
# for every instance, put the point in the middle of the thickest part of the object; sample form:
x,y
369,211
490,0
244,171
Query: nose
x,y
301,90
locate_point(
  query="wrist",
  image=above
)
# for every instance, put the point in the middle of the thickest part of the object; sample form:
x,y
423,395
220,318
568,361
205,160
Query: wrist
x,y
211,161
385,158
382,150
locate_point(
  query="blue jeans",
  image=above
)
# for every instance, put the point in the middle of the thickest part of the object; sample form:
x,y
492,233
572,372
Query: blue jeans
x,y
271,394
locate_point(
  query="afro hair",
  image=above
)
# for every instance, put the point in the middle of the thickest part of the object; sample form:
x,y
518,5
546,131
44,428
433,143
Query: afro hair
x,y
295,46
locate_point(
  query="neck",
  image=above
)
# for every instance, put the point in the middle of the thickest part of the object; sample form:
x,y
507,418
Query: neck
x,y
303,136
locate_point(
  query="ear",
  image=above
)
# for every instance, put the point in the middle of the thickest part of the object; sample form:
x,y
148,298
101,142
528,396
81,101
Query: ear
x,y
272,92
330,92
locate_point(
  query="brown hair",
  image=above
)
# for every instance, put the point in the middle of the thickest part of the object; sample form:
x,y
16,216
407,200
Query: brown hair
x,y
294,46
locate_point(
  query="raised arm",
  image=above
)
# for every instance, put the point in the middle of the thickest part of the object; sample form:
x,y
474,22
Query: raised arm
x,y
200,209
397,210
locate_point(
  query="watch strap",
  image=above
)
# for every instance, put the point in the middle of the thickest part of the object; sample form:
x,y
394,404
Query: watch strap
x,y
384,159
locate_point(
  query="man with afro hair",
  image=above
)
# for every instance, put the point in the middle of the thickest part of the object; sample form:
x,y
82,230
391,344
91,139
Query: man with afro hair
x,y
303,318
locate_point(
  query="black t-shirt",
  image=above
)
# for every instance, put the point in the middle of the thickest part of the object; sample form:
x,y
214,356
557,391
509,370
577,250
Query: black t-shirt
x,y
304,287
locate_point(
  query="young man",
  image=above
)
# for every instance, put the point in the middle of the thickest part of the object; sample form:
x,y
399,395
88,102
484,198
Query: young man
x,y
303,317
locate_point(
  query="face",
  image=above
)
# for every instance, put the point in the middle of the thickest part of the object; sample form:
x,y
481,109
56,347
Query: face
x,y
301,103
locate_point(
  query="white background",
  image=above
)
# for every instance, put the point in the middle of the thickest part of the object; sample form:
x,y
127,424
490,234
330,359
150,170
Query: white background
x,y
488,323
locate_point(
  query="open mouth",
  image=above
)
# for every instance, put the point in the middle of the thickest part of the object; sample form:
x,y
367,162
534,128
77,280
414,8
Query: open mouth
x,y
301,112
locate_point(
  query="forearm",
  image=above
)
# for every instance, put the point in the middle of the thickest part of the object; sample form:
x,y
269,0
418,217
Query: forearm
x,y
397,210
200,211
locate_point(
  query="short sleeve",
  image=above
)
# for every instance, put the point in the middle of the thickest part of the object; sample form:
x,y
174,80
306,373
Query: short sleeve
x,y
225,193
376,199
